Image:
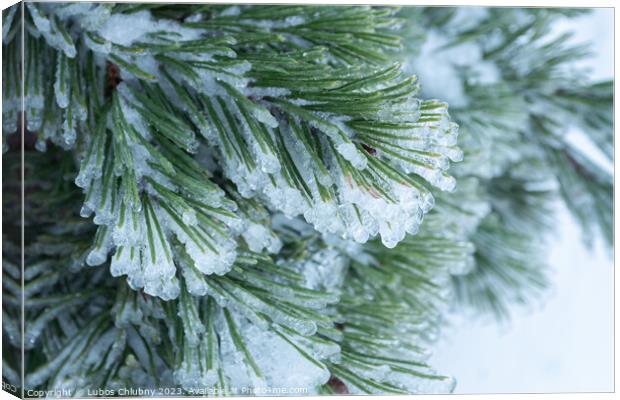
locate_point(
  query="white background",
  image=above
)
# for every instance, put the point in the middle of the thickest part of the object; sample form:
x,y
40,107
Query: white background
x,y
565,342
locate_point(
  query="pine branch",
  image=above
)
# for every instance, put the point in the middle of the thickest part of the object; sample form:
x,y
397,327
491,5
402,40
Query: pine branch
x,y
223,193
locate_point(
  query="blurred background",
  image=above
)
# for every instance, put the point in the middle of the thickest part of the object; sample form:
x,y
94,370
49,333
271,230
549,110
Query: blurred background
x,y
564,342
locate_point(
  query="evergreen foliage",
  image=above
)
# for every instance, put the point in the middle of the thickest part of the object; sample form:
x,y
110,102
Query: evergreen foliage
x,y
263,196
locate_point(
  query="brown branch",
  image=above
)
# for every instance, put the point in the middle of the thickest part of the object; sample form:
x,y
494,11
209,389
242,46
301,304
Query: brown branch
x,y
113,78
337,385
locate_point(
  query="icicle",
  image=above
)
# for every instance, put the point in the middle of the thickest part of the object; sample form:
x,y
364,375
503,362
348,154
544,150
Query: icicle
x,y
196,284
99,252
69,133
258,237
158,267
61,85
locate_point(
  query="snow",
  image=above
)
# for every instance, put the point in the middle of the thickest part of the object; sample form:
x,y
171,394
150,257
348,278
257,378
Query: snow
x,y
125,29
350,153
49,29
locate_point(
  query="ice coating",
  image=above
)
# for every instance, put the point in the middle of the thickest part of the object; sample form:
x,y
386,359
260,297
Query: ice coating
x,y
90,16
61,86
325,270
249,355
355,212
8,22
349,209
69,133
306,374
125,29
258,237
53,31
352,154
209,256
